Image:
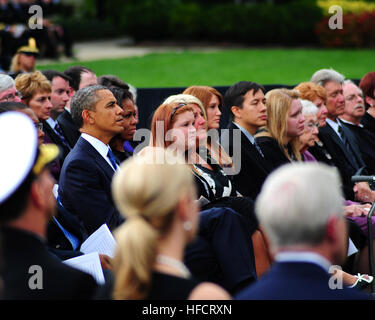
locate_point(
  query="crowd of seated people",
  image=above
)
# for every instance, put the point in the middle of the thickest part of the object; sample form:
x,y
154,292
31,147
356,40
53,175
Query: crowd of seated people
x,y
17,22
195,214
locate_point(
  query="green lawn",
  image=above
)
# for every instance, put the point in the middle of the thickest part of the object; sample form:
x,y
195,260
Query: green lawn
x,y
266,66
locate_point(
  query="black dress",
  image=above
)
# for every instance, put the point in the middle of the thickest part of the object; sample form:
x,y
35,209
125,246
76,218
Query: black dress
x,y
213,184
216,186
273,153
168,287
321,154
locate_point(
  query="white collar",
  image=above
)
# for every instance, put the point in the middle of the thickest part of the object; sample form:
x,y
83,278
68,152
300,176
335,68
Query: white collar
x,y
346,121
97,144
304,256
245,132
334,125
51,122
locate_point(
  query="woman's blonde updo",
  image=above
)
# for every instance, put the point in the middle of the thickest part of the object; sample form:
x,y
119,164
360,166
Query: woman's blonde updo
x,y
146,190
30,84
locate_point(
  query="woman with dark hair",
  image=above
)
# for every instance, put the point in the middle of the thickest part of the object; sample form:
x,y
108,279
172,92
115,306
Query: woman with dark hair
x,y
120,143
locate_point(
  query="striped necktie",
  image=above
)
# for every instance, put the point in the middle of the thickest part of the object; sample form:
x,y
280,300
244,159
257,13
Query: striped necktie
x,y
60,133
348,147
256,145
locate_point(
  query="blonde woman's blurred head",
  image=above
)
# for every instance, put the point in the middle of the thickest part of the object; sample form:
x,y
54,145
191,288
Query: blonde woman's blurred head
x,y
155,192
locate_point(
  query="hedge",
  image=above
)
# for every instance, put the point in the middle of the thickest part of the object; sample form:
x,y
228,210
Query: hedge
x,y
250,23
303,22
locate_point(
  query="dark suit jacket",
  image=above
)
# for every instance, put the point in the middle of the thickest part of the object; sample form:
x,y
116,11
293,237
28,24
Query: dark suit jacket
x,y
69,128
297,281
274,156
85,188
341,157
20,251
368,122
254,169
55,165
366,144
51,136
57,242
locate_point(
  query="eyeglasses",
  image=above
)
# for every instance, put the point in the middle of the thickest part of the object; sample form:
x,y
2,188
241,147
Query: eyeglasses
x,y
39,126
176,108
12,96
310,125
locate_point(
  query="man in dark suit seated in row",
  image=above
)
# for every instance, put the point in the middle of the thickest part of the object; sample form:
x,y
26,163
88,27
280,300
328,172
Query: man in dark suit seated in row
x,y
246,104
27,204
59,98
85,179
351,118
79,77
339,141
300,208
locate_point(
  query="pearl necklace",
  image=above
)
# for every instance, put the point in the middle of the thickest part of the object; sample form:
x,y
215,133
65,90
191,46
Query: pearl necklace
x,y
174,263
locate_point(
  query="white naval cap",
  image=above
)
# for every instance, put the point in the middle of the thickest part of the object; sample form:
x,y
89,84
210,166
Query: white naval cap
x,y
19,152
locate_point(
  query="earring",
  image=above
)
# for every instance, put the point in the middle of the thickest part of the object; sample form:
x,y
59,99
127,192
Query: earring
x,y
187,225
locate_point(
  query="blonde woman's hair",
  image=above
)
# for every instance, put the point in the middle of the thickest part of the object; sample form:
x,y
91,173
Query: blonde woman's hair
x,y
30,84
278,102
188,99
146,190
14,65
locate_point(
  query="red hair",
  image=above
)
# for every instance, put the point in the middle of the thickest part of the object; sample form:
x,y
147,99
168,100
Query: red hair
x,y
164,114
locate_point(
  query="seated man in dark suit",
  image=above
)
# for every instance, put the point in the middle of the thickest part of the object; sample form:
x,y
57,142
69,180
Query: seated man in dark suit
x,y
27,204
246,103
85,180
300,208
351,118
65,235
59,98
79,77
340,143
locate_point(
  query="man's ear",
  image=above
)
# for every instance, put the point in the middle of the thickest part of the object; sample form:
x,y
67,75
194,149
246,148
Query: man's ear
x,y
236,111
72,92
36,194
183,207
369,101
333,229
87,116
